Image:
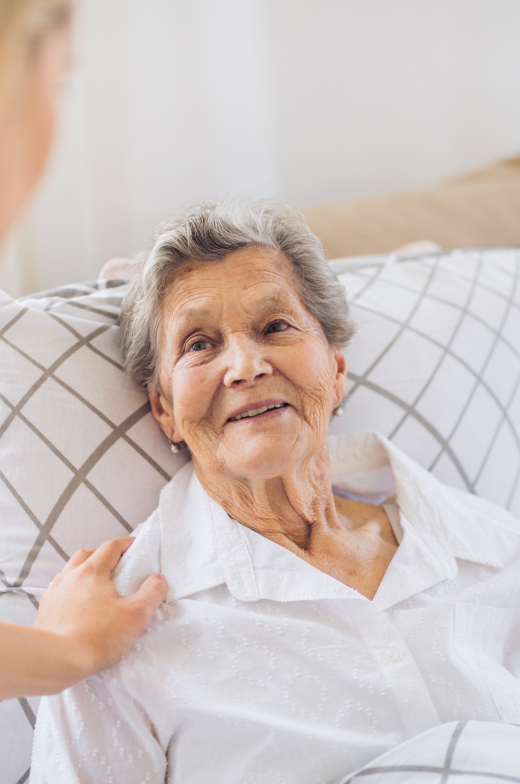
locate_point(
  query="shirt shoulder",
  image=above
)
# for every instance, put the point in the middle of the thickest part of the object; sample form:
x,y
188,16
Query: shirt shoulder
x,y
500,517
142,559
493,531
453,523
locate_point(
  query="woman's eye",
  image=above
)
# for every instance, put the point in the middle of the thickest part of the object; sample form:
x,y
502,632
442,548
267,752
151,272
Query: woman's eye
x,y
200,345
276,326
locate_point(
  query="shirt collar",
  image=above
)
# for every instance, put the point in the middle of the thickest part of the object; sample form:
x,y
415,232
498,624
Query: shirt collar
x,y
202,547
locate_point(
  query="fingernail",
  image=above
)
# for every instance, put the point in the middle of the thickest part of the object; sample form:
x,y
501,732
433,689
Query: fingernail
x,y
163,578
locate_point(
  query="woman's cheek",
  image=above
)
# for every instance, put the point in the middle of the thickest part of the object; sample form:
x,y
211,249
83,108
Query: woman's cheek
x,y
312,374
308,367
193,391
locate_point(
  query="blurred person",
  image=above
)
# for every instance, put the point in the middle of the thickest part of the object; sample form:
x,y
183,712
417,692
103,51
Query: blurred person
x,y
83,625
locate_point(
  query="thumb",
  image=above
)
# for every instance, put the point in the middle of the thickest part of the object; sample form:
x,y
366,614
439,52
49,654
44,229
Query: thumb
x,y
152,593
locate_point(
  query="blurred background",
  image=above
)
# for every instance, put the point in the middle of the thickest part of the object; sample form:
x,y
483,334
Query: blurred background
x,y
173,101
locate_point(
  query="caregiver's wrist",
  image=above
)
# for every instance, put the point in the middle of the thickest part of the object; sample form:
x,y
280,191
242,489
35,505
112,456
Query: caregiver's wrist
x,y
67,659
63,662
36,662
78,658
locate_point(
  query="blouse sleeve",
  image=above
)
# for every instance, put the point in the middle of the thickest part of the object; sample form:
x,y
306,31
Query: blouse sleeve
x,y
96,731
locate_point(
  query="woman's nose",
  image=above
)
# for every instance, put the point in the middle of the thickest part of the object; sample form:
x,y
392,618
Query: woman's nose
x,y
246,364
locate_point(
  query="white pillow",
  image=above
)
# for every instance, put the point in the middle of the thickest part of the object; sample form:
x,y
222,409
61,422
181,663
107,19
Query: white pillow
x,y
457,752
81,457
435,366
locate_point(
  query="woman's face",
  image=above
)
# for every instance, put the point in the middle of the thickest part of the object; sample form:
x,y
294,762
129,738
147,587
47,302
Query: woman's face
x,y
237,338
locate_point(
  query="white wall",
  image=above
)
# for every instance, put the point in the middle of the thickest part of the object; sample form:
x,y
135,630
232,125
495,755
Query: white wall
x,y
173,101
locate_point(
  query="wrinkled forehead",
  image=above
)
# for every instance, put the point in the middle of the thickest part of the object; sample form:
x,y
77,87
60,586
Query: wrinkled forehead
x,y
245,282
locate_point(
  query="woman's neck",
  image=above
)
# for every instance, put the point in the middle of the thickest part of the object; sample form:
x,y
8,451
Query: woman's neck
x,y
295,509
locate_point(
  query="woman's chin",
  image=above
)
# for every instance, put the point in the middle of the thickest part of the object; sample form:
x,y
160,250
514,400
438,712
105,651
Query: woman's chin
x,y
264,455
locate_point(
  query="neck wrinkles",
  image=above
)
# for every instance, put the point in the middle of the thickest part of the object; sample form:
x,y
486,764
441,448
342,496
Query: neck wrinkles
x,y
295,509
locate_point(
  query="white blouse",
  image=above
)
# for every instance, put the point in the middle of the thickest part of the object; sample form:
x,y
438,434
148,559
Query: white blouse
x,y
262,669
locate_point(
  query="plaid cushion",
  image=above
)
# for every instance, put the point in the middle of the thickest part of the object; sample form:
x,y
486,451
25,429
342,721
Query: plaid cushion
x,y
81,457
459,752
435,367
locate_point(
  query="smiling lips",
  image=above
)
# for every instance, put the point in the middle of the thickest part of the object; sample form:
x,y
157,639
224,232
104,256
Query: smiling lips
x,y
253,412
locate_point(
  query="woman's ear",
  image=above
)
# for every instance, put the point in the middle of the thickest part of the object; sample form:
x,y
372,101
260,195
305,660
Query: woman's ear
x,y
163,413
340,381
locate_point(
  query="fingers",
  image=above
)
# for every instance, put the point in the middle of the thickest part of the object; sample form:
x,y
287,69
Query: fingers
x,y
150,595
77,559
106,557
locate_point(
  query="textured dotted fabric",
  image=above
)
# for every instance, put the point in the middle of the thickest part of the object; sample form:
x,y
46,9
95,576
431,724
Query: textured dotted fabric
x,y
435,367
260,668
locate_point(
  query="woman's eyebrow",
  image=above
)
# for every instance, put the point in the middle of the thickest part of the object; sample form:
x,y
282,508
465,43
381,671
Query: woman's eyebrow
x,y
189,317
179,326
274,299
193,317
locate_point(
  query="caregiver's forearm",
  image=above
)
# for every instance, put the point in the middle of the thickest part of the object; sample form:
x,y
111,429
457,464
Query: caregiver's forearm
x,y
36,661
83,625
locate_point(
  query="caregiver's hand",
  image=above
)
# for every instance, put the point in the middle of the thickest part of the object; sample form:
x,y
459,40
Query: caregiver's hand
x,y
82,626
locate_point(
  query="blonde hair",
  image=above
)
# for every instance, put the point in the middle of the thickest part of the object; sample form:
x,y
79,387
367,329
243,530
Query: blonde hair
x,y
22,24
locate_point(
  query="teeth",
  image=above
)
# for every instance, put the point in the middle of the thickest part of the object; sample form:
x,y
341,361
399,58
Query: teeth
x,y
254,412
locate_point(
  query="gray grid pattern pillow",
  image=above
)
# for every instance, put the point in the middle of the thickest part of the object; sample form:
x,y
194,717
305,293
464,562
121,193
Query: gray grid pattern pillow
x,y
81,458
460,752
435,366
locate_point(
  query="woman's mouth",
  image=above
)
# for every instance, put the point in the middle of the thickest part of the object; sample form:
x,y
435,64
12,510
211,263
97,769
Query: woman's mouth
x,y
257,412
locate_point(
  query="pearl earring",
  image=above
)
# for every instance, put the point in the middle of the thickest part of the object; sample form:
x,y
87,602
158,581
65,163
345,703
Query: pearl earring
x,y
337,412
176,446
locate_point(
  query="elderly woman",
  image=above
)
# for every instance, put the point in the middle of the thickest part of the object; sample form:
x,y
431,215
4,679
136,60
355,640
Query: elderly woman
x,y
326,601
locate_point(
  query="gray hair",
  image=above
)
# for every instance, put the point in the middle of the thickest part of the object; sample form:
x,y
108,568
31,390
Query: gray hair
x,y
208,233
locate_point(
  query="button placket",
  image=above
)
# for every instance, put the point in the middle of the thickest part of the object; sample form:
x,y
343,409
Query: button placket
x,y
408,687
391,653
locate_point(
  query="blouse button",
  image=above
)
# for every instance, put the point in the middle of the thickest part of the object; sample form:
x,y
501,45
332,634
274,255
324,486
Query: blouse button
x,y
391,653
